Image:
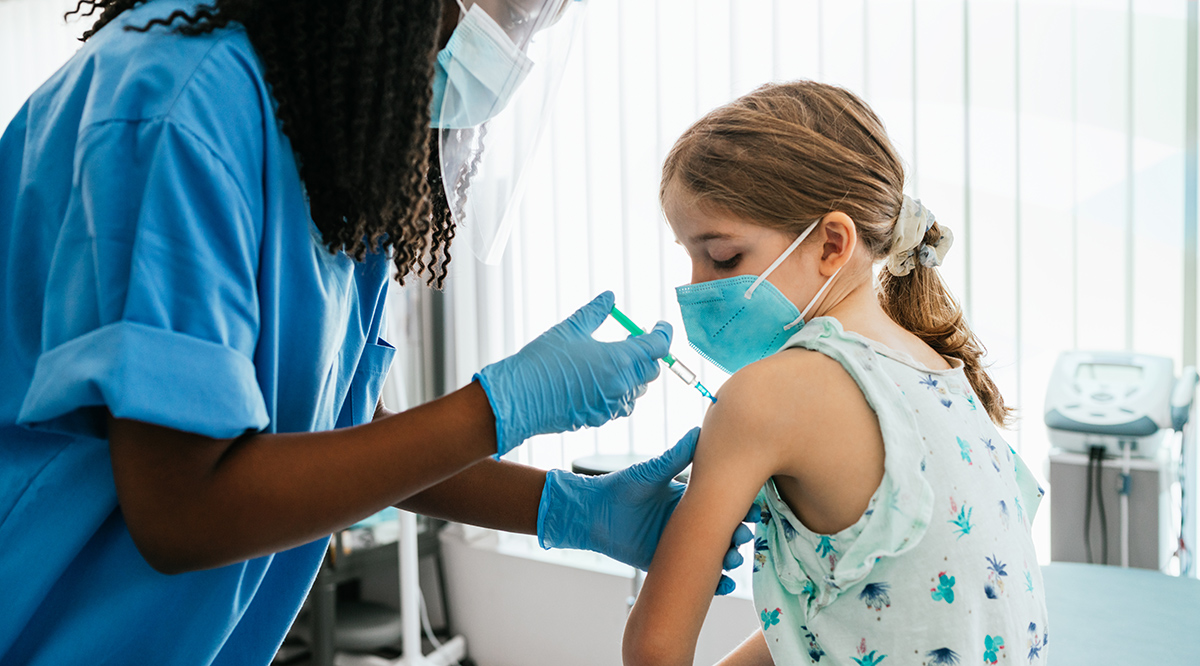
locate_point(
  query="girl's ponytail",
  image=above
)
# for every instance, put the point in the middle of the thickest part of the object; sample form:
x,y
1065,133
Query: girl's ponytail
x,y
920,302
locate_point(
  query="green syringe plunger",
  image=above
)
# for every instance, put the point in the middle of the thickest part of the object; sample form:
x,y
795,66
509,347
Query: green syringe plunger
x,y
681,371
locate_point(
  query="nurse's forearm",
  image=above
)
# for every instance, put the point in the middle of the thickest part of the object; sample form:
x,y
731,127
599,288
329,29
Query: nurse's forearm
x,y
491,493
193,502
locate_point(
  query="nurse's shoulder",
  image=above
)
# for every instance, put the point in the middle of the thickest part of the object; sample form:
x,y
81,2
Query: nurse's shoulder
x,y
211,85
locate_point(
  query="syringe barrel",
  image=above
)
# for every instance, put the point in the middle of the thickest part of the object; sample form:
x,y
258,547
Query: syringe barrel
x,y
683,373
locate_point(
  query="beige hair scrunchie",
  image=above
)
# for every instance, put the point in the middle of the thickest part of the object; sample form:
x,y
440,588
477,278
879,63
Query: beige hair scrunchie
x,y
907,248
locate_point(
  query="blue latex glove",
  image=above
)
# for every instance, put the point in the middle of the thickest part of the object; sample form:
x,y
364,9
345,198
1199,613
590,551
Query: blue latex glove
x,y
622,515
566,379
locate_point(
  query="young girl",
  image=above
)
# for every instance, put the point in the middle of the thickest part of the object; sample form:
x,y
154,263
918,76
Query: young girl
x,y
895,519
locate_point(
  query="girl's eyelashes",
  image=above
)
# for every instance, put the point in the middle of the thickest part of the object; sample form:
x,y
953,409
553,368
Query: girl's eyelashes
x,y
727,264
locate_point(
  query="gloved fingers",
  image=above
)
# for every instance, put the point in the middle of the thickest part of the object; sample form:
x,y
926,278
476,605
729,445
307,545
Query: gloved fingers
x,y
725,586
657,341
674,460
645,350
754,515
733,559
589,317
741,535
625,408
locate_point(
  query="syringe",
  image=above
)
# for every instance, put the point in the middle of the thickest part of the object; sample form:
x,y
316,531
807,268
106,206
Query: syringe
x,y
681,371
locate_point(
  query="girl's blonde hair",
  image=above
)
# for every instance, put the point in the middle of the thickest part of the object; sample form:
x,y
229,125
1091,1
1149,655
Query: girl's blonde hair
x,y
785,155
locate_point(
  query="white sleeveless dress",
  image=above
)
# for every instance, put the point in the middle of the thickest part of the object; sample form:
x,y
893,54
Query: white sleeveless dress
x,y
940,569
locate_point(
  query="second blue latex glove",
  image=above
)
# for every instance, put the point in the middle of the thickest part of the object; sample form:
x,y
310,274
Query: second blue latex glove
x,y
623,514
566,379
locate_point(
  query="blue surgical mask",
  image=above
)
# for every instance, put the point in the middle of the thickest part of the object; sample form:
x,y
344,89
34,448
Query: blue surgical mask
x,y
736,321
477,73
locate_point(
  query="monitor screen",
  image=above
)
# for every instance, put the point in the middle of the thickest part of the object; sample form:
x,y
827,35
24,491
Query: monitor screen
x,y
1108,373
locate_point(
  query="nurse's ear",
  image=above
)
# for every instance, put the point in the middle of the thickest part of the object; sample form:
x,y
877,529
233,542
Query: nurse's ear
x,y
840,238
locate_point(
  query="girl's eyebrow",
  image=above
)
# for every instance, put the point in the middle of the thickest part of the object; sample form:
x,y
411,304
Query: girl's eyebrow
x,y
712,235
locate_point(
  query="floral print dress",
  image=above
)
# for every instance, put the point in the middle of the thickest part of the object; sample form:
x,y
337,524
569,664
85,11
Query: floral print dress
x,y
940,569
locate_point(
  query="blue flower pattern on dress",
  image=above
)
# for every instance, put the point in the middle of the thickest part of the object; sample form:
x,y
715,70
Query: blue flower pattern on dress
x,y
996,566
932,384
825,545
963,521
876,596
964,450
992,452
1037,642
769,619
814,650
789,532
992,645
760,553
997,570
942,657
869,659
944,590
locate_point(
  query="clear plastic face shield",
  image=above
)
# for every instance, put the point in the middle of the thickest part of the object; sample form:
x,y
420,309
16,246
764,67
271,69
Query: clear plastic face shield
x,y
494,86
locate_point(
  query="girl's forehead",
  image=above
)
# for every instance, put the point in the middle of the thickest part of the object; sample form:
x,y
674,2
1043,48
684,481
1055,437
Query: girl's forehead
x,y
696,224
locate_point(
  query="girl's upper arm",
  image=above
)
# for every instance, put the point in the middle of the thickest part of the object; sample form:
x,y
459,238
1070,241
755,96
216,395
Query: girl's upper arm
x,y
737,452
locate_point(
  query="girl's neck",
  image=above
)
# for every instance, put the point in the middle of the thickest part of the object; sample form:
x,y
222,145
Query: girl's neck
x,y
859,311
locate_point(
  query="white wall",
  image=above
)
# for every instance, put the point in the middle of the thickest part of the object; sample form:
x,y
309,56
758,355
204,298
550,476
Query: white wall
x,y
1050,135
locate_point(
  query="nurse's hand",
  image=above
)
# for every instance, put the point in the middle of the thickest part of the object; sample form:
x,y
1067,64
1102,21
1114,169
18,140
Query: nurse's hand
x,y
623,514
566,379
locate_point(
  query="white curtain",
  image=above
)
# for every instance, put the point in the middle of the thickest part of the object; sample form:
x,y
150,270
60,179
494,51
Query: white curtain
x,y
1050,135
1053,136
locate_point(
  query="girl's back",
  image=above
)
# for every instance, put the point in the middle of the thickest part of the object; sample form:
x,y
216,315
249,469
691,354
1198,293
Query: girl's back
x,y
940,568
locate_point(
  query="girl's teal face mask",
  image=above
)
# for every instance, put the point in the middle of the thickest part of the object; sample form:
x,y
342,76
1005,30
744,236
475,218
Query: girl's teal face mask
x,y
736,321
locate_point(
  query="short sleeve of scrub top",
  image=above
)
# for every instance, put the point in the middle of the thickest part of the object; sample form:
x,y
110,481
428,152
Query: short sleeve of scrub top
x,y
159,261
159,228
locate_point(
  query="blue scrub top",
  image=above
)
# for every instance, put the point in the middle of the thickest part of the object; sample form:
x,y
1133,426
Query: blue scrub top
x,y
159,262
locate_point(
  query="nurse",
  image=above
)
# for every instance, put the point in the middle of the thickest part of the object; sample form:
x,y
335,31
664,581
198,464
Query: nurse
x,y
198,216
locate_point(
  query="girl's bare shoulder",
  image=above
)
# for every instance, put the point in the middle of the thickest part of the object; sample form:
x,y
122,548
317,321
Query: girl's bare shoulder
x,y
795,398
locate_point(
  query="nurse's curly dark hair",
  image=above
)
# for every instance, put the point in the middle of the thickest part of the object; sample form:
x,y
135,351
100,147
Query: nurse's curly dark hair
x,y
352,80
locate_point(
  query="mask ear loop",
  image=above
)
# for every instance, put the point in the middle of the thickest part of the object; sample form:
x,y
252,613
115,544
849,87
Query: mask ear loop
x,y
786,253
820,292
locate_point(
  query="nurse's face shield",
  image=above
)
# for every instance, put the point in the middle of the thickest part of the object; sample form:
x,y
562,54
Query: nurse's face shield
x,y
484,151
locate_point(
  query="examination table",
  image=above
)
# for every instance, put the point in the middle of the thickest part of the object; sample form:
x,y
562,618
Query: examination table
x,y
1103,615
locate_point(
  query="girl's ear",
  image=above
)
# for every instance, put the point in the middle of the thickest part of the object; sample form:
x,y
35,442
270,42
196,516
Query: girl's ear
x,y
841,237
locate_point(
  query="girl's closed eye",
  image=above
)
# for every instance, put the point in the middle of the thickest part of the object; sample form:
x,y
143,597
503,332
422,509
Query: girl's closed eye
x,y
727,264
